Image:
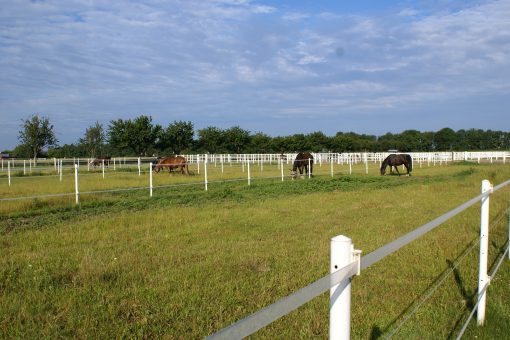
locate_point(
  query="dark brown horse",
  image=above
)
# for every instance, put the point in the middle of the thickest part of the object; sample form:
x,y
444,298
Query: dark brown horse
x,y
99,161
303,159
172,162
394,160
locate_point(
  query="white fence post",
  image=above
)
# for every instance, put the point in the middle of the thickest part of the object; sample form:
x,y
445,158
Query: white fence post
x,y
102,164
24,167
76,183
150,178
139,165
249,179
331,163
60,169
9,171
483,278
281,167
340,295
309,168
205,171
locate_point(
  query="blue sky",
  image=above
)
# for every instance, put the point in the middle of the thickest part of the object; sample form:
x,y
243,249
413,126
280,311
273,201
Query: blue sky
x,y
278,67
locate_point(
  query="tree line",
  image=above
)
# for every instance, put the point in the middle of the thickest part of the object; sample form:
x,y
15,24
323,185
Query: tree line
x,y
141,137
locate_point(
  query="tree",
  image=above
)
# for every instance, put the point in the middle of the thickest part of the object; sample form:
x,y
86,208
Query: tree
x,y
139,134
260,142
297,142
36,134
178,136
445,139
211,139
236,139
94,139
318,141
345,142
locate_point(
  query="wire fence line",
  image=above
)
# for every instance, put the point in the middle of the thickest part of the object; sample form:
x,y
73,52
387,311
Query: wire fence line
x,y
250,324
480,295
472,245
17,198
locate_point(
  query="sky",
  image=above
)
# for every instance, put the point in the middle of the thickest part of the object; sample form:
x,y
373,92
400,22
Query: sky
x,y
277,67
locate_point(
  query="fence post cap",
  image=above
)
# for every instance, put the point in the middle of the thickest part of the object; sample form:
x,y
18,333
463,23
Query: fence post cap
x,y
341,238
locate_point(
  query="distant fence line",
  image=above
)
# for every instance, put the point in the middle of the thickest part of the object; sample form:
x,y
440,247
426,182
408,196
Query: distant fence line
x,y
320,157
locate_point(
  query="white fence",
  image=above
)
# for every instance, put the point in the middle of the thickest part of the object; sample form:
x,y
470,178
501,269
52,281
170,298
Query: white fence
x,y
345,263
138,164
28,165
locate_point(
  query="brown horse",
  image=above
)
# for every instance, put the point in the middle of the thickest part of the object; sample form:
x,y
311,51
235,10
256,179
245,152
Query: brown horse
x,y
172,162
303,159
395,160
99,161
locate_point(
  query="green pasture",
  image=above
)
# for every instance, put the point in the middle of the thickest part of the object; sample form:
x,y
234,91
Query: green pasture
x,y
187,262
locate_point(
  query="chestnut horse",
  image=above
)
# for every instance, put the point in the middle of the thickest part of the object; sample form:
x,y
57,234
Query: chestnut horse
x,y
395,160
99,161
172,162
301,163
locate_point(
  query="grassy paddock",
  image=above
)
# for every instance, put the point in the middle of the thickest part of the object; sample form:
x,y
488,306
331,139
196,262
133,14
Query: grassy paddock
x,y
186,263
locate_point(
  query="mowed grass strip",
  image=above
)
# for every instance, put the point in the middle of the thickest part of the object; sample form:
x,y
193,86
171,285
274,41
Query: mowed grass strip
x,y
184,264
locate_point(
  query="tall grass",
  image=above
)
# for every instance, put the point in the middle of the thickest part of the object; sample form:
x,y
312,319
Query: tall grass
x,y
188,262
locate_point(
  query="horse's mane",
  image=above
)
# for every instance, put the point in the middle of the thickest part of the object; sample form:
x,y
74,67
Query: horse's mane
x,y
386,161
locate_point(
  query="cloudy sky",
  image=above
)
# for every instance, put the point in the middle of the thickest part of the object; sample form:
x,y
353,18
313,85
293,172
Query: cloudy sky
x,y
278,67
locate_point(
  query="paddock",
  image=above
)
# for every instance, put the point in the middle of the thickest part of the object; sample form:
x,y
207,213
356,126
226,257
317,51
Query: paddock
x,y
117,262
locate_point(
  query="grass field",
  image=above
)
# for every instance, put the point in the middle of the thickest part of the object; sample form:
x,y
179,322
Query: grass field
x,y
188,262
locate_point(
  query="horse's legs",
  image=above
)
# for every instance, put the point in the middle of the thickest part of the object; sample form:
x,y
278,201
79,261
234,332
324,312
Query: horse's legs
x,y
396,168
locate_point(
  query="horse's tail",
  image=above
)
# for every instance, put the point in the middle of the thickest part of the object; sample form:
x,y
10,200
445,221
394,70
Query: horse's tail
x,y
409,162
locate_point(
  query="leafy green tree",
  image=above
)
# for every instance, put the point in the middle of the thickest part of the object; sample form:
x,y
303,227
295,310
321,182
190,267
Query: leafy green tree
x,y
21,151
236,139
297,142
410,140
68,151
138,135
280,144
445,139
346,142
37,133
211,139
260,142
318,141
178,136
94,139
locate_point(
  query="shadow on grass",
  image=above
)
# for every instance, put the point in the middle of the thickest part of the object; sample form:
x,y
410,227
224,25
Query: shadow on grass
x,y
378,332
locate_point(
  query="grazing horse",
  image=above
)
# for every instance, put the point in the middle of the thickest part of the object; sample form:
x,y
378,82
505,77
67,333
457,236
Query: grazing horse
x,y
395,160
301,163
172,162
99,161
